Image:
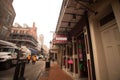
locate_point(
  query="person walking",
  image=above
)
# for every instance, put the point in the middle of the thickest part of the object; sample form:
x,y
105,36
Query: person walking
x,y
34,58
28,58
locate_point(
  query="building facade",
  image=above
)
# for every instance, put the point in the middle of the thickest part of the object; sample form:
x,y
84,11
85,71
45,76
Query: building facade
x,y
92,28
24,36
41,39
7,15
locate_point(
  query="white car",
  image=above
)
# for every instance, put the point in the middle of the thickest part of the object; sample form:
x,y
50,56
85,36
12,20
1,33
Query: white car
x,y
8,56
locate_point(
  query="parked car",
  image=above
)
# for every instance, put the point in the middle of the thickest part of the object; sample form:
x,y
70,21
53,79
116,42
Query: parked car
x,y
39,57
8,56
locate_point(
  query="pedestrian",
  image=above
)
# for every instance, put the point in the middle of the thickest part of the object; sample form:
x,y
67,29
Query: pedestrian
x,y
34,58
28,58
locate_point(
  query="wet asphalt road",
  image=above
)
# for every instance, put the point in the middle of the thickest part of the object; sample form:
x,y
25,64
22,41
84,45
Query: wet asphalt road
x,y
32,71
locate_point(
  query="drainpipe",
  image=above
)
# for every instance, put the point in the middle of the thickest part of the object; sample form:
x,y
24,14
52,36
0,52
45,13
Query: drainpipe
x,y
90,45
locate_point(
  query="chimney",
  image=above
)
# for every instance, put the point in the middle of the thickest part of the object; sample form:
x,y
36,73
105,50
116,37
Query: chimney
x,y
33,24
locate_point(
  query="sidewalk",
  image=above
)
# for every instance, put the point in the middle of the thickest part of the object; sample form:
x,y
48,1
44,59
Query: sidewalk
x,y
54,73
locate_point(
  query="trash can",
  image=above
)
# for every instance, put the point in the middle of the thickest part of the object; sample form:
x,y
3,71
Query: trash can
x,y
47,64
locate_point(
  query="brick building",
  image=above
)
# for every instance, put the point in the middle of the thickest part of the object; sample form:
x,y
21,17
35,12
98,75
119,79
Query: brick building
x,y
24,35
7,15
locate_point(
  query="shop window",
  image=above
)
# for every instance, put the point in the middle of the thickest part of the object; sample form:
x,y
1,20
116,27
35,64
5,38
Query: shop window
x,y
67,62
71,67
67,50
64,59
82,56
75,47
76,66
8,18
3,32
70,51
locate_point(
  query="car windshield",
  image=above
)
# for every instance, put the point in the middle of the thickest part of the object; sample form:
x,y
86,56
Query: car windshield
x,y
6,49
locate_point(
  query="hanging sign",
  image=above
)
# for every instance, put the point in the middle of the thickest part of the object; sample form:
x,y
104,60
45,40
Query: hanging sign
x,y
60,39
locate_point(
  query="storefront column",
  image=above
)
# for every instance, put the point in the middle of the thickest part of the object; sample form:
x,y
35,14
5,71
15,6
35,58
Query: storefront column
x,y
73,52
90,58
75,75
62,54
66,62
59,55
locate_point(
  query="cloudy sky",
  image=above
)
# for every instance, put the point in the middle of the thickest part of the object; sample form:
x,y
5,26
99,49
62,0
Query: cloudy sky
x,y
44,13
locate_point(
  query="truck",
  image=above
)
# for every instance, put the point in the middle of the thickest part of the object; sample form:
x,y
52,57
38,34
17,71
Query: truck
x,y
8,54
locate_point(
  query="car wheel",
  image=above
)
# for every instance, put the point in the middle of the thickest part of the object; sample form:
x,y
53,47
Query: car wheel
x,y
7,64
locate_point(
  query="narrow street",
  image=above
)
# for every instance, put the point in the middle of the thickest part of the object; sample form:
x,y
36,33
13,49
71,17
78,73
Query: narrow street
x,y
31,71
66,39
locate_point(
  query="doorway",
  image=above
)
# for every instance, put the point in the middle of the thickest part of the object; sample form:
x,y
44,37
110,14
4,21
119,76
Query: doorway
x,y
111,44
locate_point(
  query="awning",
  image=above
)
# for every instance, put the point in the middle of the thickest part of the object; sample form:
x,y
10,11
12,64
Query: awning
x,y
33,51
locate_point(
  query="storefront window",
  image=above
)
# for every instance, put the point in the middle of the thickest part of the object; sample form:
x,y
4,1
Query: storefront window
x,y
82,56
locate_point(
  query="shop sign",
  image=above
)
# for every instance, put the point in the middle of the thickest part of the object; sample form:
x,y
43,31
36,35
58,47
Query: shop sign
x,y
60,39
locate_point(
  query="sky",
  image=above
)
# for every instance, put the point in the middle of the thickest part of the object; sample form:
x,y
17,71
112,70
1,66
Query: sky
x,y
44,13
